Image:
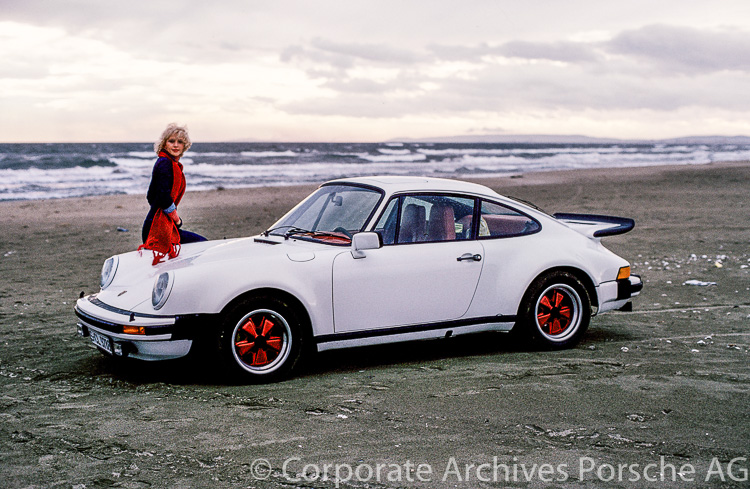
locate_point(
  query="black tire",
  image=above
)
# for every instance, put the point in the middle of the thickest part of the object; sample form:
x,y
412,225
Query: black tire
x,y
261,339
555,312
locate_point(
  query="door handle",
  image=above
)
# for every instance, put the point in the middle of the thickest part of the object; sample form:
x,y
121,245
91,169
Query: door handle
x,y
469,256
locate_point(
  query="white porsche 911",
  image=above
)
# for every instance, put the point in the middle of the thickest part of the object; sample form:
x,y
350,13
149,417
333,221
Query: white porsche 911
x,y
363,261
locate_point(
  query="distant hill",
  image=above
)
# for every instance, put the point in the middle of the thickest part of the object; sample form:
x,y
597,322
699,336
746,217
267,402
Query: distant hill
x,y
512,138
571,139
708,140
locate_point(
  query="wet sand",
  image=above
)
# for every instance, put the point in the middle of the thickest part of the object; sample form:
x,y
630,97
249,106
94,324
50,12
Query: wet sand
x,y
667,384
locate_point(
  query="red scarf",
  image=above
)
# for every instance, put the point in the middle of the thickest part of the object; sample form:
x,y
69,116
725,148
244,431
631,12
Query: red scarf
x,y
164,237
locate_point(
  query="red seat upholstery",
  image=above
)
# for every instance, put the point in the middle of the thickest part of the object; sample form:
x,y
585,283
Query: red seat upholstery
x,y
442,225
412,224
505,225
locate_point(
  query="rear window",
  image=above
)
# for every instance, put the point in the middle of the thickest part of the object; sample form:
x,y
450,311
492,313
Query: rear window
x,y
499,221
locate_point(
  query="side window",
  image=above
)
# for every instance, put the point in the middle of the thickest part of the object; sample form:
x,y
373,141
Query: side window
x,y
431,218
499,221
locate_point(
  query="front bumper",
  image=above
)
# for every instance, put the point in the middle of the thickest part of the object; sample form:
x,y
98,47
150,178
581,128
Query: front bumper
x,y
617,294
123,333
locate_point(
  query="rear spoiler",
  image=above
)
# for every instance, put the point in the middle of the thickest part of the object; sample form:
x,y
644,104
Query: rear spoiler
x,y
596,226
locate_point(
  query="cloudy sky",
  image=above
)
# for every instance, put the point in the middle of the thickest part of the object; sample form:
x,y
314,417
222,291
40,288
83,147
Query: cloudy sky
x,y
353,70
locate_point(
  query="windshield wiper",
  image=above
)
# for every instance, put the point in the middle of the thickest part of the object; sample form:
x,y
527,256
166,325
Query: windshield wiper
x,y
268,232
316,234
293,230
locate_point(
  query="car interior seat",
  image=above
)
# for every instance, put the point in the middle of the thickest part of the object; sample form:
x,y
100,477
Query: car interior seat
x,y
412,224
442,225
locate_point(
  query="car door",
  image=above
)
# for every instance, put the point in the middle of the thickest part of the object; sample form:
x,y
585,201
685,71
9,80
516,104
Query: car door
x,y
426,272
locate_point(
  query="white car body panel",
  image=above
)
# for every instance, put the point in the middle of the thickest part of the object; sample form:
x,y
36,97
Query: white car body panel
x,y
420,283
420,287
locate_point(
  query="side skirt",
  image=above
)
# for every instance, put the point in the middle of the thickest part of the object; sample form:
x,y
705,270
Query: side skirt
x,y
414,332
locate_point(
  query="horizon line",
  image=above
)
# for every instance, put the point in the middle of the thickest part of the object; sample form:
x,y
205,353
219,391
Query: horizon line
x,y
460,139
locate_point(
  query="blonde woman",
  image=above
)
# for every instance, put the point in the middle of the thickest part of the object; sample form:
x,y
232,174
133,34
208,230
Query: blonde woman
x,y
161,229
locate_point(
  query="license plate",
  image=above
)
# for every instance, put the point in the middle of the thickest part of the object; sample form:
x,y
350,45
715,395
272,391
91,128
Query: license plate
x,y
101,341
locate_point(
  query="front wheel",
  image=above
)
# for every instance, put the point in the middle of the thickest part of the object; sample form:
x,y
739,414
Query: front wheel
x,y
261,339
555,311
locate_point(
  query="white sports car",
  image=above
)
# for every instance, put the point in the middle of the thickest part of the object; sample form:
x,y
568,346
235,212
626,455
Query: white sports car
x,y
364,261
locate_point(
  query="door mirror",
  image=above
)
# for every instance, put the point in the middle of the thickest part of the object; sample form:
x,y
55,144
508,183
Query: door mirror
x,y
364,241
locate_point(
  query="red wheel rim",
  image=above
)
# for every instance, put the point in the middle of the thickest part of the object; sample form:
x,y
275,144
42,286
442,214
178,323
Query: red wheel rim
x,y
261,341
558,312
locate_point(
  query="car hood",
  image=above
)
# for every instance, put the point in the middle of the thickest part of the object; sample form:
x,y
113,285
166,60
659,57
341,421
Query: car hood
x,y
136,274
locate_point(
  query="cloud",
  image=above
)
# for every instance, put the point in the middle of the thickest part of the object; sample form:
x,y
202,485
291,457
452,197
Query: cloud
x,y
191,31
421,63
381,53
460,53
496,87
522,75
564,51
316,59
366,86
324,58
574,52
685,49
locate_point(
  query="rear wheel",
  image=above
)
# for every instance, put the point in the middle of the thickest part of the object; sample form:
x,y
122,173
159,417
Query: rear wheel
x,y
555,312
261,339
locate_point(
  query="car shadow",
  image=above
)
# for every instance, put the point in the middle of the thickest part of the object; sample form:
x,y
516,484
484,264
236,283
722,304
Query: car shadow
x,y
411,353
183,371
203,368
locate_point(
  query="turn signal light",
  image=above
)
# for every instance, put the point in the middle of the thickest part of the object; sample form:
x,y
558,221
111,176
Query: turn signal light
x,y
133,330
623,273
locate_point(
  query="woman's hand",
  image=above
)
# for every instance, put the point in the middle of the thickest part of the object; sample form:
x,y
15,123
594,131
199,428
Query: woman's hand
x,y
176,218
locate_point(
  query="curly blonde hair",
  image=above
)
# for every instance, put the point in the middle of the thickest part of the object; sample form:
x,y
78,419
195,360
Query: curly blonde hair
x,y
173,129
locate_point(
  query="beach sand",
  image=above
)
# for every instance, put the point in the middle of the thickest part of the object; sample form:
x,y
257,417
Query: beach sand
x,y
665,384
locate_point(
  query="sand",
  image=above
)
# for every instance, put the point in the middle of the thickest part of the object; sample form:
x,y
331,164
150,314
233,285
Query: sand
x,y
666,384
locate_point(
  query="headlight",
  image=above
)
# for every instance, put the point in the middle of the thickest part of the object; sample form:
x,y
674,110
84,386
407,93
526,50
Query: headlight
x,y
162,288
108,271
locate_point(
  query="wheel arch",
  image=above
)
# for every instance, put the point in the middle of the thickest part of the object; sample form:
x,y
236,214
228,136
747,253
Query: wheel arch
x,y
576,272
283,318
283,295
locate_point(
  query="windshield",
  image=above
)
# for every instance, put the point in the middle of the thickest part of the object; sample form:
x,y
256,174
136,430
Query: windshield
x,y
333,213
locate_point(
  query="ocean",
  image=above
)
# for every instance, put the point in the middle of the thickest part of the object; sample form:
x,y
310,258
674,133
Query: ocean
x,y
49,171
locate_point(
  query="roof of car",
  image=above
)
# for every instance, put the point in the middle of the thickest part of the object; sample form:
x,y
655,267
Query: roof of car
x,y
393,184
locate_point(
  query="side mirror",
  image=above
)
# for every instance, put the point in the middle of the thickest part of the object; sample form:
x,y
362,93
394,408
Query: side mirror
x,y
364,241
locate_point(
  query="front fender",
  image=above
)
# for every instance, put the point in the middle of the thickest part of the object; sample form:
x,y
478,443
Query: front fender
x,y
209,289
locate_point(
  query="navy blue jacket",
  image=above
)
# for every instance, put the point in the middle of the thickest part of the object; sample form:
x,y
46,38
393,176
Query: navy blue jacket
x,y
159,193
